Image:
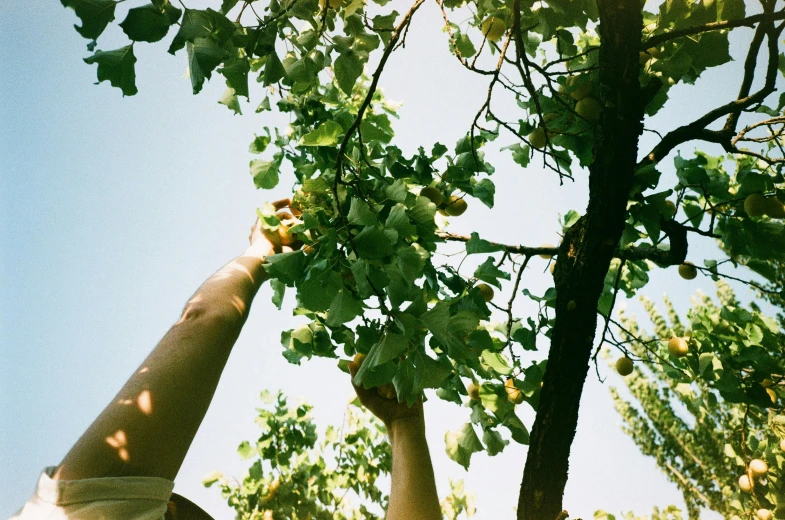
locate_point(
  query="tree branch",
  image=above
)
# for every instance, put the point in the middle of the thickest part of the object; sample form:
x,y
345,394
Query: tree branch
x,y
750,21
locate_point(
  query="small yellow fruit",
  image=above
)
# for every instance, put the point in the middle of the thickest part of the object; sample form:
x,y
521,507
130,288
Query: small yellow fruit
x,y
745,484
546,256
678,347
455,206
582,91
772,395
284,237
688,271
272,490
624,366
553,266
538,139
671,208
358,359
474,391
589,109
387,391
514,395
486,291
773,208
764,514
654,52
493,28
432,194
755,205
758,467
782,444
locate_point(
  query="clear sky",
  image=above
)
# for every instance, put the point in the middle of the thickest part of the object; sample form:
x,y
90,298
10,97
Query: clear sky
x,y
113,210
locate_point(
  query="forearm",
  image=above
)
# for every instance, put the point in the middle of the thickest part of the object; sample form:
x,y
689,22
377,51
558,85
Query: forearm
x,y
148,427
413,491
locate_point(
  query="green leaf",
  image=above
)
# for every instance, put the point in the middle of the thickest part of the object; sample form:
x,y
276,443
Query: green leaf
x,y
497,362
236,73
484,190
227,5
94,14
374,243
230,100
451,330
204,55
360,214
488,272
461,445
211,478
245,450
477,245
390,347
265,173
146,24
411,261
494,443
326,134
117,66
348,67
286,267
198,24
279,289
273,69
399,221
343,308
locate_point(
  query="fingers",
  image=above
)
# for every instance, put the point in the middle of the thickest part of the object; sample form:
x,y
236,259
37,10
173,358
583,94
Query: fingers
x,y
282,203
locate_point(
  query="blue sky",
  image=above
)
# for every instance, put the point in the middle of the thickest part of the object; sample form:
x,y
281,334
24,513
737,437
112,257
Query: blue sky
x,y
113,210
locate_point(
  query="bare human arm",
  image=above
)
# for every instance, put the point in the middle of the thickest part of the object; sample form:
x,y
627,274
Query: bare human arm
x,y
147,428
413,491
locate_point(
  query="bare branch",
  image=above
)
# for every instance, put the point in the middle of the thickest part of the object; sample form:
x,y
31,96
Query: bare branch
x,y
750,21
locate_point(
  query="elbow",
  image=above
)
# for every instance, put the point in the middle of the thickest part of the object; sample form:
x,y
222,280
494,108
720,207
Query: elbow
x,y
221,315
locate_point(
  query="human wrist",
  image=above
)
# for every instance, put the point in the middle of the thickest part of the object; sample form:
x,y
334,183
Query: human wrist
x,y
406,426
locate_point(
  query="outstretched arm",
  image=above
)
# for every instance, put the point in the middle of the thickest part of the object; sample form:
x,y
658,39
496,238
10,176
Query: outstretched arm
x,y
148,427
413,491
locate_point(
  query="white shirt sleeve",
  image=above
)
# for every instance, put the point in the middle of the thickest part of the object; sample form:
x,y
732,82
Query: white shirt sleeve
x,y
111,498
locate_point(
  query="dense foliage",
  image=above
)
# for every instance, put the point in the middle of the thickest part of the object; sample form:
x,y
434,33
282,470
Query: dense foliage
x,y
587,75
294,475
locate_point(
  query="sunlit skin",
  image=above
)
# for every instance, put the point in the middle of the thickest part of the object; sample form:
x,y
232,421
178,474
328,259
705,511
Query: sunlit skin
x,y
147,428
413,489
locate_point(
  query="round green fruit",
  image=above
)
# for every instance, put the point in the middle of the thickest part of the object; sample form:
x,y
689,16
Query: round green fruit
x,y
755,205
432,194
624,366
455,206
538,139
583,90
486,291
773,208
493,28
688,271
589,109
678,347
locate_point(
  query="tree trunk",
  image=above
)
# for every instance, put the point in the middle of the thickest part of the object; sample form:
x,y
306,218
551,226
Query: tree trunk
x,y
584,257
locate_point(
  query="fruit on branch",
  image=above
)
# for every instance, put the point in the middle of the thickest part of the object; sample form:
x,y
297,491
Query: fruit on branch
x,y
764,514
553,266
358,359
755,205
772,395
782,444
455,206
654,52
589,109
773,208
745,483
671,208
538,139
272,490
678,347
624,366
486,291
583,90
688,271
493,28
514,395
758,467
545,255
473,391
387,391
432,194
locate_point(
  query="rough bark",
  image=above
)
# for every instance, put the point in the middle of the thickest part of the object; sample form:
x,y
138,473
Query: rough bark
x,y
584,258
